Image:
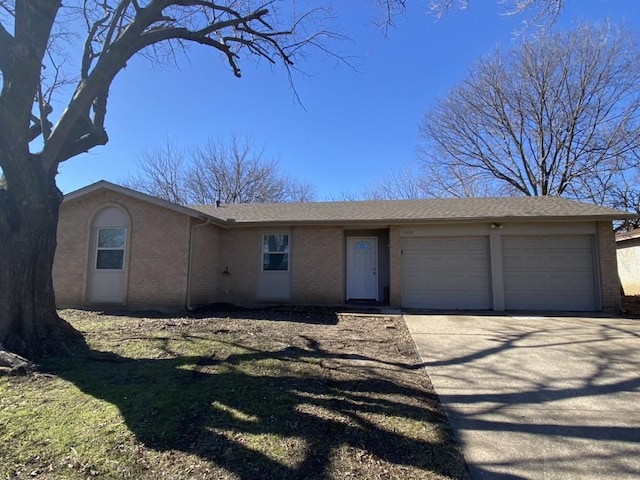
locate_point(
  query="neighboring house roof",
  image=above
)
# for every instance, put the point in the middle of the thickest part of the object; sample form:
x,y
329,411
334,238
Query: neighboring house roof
x,y
104,185
379,211
631,235
413,211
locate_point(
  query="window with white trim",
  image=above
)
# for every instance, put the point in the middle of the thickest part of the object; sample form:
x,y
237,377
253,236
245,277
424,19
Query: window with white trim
x,y
110,248
275,253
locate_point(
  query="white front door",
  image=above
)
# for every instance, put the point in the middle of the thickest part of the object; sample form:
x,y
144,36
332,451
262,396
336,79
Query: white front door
x,y
362,268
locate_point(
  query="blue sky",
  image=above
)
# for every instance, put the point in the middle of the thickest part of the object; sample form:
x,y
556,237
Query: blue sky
x,y
355,125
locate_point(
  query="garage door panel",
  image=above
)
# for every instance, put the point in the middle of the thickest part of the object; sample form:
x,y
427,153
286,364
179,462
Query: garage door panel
x,y
479,244
569,243
445,300
446,244
446,273
558,262
421,244
465,262
564,283
466,281
548,273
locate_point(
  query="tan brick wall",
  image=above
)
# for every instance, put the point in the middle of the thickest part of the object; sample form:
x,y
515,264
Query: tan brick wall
x,y
395,265
157,255
628,255
608,268
318,265
240,253
70,264
205,269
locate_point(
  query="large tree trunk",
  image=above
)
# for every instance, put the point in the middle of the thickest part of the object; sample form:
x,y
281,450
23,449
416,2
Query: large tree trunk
x,y
29,323
29,198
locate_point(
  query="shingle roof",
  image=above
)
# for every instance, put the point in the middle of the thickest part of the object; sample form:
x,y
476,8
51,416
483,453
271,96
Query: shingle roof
x,y
412,211
103,184
632,235
381,211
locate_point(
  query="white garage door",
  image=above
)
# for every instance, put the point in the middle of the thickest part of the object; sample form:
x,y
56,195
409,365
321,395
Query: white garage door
x,y
446,273
548,273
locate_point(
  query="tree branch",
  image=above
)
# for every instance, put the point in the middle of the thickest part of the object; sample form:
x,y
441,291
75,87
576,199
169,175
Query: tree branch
x,y
155,36
116,19
239,23
88,133
88,55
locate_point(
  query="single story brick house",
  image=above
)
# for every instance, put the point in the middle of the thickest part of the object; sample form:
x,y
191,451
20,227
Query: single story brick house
x,y
628,254
120,247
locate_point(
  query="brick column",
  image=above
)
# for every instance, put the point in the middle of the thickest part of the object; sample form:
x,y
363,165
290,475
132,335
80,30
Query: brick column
x,y
395,267
609,279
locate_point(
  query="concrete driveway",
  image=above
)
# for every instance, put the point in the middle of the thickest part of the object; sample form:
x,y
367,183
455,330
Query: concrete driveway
x,y
538,397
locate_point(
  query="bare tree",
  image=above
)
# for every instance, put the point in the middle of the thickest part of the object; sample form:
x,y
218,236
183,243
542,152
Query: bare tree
x,y
230,171
161,173
414,180
556,116
34,140
457,181
236,171
541,12
403,183
625,195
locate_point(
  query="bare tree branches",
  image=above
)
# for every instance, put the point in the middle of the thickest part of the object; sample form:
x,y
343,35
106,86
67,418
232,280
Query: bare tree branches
x,y
162,173
388,11
625,195
542,12
557,116
404,183
116,30
233,171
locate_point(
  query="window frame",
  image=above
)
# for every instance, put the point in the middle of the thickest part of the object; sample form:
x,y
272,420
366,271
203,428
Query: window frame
x,y
286,253
122,248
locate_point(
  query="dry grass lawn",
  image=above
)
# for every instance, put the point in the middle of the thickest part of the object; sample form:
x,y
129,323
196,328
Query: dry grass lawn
x,y
272,394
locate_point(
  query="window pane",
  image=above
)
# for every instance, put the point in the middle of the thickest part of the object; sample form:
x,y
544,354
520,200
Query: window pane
x,y
362,246
111,237
110,260
275,243
275,261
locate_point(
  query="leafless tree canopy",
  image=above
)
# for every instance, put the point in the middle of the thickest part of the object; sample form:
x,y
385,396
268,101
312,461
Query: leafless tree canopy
x,y
556,116
541,12
406,182
231,171
162,173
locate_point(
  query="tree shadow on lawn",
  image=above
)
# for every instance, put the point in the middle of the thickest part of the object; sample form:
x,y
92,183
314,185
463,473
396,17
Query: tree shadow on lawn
x,y
319,315
271,425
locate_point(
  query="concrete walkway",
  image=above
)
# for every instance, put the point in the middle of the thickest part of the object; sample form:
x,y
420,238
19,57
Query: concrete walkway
x,y
538,397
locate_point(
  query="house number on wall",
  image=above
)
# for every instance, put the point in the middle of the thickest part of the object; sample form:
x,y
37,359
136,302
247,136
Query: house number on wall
x,y
407,233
